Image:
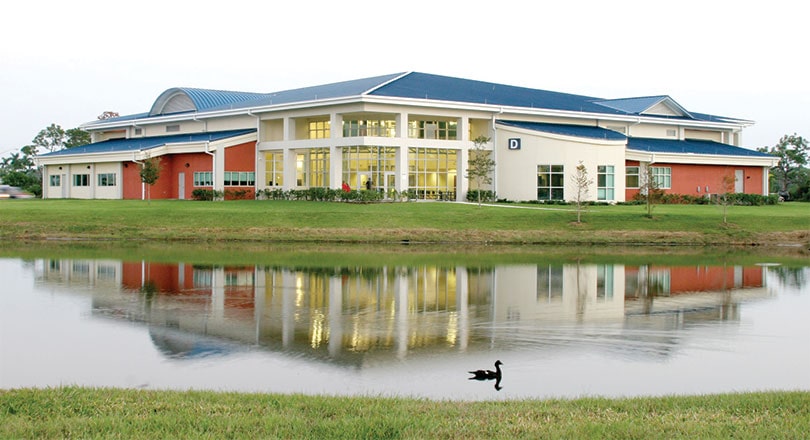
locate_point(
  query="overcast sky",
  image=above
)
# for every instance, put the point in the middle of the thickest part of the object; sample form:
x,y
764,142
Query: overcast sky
x,y
67,62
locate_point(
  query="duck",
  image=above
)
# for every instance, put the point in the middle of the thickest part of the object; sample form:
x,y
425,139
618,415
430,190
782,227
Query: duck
x,y
488,374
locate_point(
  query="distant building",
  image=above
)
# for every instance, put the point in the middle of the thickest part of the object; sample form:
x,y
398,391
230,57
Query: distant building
x,y
407,131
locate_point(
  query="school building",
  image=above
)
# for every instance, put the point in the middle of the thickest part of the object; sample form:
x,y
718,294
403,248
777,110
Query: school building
x,y
408,131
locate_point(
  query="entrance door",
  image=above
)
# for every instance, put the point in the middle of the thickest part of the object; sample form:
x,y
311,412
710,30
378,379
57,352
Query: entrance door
x,y
739,184
64,186
390,183
181,186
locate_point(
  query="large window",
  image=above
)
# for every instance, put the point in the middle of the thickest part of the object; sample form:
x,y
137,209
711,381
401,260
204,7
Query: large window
x,y
383,128
631,179
604,281
240,178
274,168
312,168
203,178
550,182
605,186
432,172
319,130
362,164
662,176
81,180
319,167
549,283
446,130
106,179
56,180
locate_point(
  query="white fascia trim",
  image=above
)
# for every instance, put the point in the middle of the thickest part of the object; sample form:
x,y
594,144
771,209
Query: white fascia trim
x,y
414,102
699,159
563,137
172,148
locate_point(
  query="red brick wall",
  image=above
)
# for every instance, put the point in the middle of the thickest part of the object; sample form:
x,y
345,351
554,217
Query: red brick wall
x,y
687,178
237,158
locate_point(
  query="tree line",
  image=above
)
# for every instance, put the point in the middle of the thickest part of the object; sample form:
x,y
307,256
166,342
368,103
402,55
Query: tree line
x,y
19,168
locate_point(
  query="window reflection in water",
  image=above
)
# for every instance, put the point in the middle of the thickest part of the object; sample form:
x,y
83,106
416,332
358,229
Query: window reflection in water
x,y
335,311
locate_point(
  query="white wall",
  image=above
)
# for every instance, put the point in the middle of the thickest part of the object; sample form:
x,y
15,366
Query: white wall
x,y
517,169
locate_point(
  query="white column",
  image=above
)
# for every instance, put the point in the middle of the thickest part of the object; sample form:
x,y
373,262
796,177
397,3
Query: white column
x,y
335,153
335,315
290,165
219,169
401,292
402,152
218,293
335,167
463,307
259,289
463,184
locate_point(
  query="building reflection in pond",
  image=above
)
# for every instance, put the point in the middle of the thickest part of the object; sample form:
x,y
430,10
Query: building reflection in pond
x,y
337,312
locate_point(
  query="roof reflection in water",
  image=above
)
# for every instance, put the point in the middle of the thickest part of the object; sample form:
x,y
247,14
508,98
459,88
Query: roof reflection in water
x,y
346,315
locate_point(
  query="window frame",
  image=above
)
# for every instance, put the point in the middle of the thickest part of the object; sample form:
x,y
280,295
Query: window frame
x,y
662,176
81,180
632,180
555,187
605,182
106,179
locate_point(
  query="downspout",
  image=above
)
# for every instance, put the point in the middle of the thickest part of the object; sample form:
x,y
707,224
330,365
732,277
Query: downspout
x,y
495,153
256,155
205,122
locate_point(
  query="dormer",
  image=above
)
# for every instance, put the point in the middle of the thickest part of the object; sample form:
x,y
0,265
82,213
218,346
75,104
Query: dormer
x,y
647,106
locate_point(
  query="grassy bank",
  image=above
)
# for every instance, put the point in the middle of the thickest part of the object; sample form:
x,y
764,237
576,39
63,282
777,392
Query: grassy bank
x,y
319,222
109,413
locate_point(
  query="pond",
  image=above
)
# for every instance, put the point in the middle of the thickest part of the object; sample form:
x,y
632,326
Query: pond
x,y
411,326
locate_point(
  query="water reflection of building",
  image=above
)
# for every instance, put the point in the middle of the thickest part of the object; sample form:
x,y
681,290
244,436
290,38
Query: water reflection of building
x,y
338,312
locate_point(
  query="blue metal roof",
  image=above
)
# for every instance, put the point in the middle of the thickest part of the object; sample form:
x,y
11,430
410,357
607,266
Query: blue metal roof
x,y
200,99
633,105
584,131
146,143
417,85
689,147
342,89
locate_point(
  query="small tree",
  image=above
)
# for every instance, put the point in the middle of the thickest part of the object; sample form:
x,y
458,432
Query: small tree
x,y
480,164
725,199
649,189
150,173
581,183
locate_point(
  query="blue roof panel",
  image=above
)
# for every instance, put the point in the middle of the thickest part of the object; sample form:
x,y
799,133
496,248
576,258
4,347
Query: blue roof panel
x,y
417,85
583,131
146,143
327,91
690,147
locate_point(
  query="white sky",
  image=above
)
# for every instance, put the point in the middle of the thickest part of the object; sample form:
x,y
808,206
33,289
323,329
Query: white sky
x,y
67,62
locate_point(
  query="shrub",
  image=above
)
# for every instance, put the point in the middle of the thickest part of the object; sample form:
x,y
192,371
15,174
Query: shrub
x,y
486,195
206,194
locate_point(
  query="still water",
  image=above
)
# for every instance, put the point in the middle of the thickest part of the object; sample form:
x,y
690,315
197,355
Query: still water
x,y
565,329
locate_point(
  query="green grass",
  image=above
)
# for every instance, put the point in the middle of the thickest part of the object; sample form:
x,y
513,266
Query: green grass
x,y
277,221
111,413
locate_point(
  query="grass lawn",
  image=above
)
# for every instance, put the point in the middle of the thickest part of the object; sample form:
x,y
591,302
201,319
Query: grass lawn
x,y
109,413
432,222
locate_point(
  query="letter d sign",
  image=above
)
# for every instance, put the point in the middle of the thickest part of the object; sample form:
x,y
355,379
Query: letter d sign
x,y
514,143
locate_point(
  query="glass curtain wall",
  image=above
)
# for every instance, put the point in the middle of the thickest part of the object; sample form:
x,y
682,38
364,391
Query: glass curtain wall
x,y
433,172
365,167
274,168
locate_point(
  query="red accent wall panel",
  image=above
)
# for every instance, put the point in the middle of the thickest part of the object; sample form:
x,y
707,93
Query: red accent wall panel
x,y
699,180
